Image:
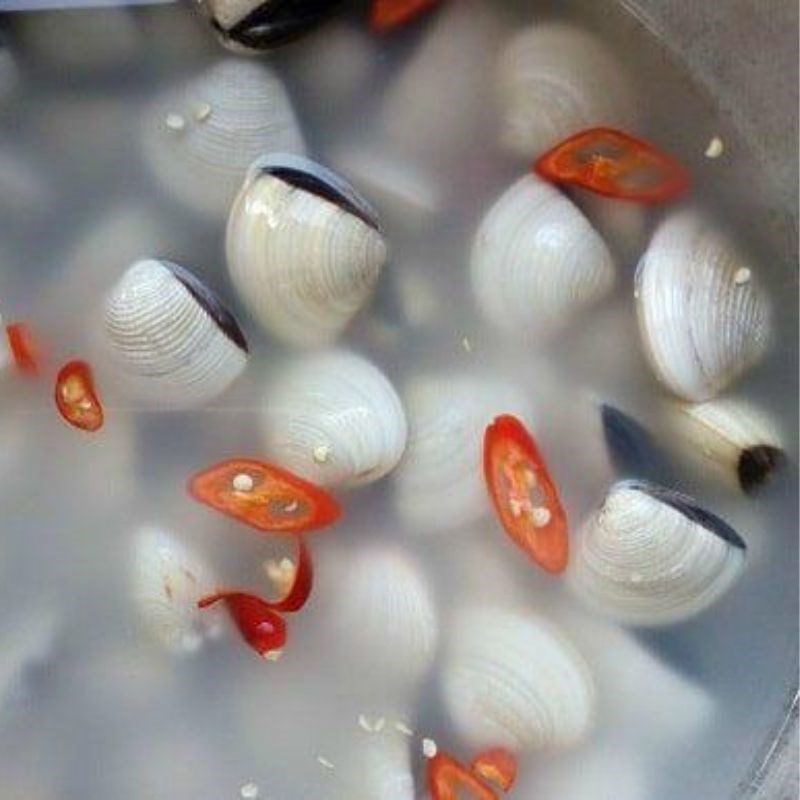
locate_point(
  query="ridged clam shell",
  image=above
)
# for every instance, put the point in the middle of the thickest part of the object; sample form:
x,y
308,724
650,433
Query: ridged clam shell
x,y
167,580
536,261
513,680
439,484
303,248
651,556
200,137
703,318
555,80
171,338
334,419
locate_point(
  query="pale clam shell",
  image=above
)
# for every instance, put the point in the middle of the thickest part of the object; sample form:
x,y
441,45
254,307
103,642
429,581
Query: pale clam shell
x,y
554,80
651,556
334,419
513,680
200,137
166,581
303,249
172,340
536,261
703,318
439,485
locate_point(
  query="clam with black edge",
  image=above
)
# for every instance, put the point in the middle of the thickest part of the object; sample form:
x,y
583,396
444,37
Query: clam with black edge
x,y
304,249
173,340
651,556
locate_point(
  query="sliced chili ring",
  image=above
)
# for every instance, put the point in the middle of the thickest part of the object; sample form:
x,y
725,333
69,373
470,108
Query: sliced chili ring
x,y
496,766
448,779
76,398
613,163
298,594
264,496
23,347
523,493
386,15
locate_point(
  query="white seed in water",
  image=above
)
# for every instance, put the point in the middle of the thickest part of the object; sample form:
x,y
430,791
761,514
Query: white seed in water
x,y
273,655
401,727
321,454
175,122
379,724
365,724
243,483
290,508
466,344
540,516
249,791
429,748
202,112
742,276
715,148
325,763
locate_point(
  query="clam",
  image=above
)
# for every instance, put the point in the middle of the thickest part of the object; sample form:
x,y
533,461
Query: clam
x,y
703,317
167,580
334,418
554,80
173,341
200,137
731,439
304,249
439,485
513,680
536,261
651,556
252,25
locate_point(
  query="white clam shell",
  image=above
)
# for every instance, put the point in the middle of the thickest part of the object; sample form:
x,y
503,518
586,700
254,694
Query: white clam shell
x,y
651,557
168,346
167,579
555,80
302,263
703,318
334,419
537,261
513,680
439,485
199,138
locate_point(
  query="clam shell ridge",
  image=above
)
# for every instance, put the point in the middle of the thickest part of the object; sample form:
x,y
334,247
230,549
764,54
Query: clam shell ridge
x,y
651,556
303,249
537,261
702,317
515,681
171,337
334,419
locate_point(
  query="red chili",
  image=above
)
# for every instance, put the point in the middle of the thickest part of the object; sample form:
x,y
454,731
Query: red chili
x,y
76,398
389,14
615,164
497,766
24,349
523,493
448,779
300,591
264,496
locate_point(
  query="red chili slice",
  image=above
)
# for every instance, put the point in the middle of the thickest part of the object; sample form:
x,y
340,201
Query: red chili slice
x,y
497,766
389,14
24,349
450,780
258,622
297,596
264,496
523,493
76,398
615,164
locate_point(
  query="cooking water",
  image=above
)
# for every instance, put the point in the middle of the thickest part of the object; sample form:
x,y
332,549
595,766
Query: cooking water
x,y
90,707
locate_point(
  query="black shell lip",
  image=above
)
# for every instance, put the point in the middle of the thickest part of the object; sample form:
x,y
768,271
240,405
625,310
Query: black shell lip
x,y
688,507
209,302
757,464
308,175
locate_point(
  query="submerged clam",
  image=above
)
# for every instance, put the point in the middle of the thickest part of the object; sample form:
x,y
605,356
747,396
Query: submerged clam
x,y
334,418
170,336
537,261
304,249
200,137
554,80
651,556
703,317
515,681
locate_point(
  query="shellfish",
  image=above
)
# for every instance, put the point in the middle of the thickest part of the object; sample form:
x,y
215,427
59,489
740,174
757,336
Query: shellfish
x,y
334,419
703,318
536,261
651,556
200,137
304,249
514,681
171,337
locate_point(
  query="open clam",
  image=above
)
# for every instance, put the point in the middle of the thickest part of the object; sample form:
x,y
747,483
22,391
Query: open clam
x,y
173,341
304,249
703,317
537,261
652,556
